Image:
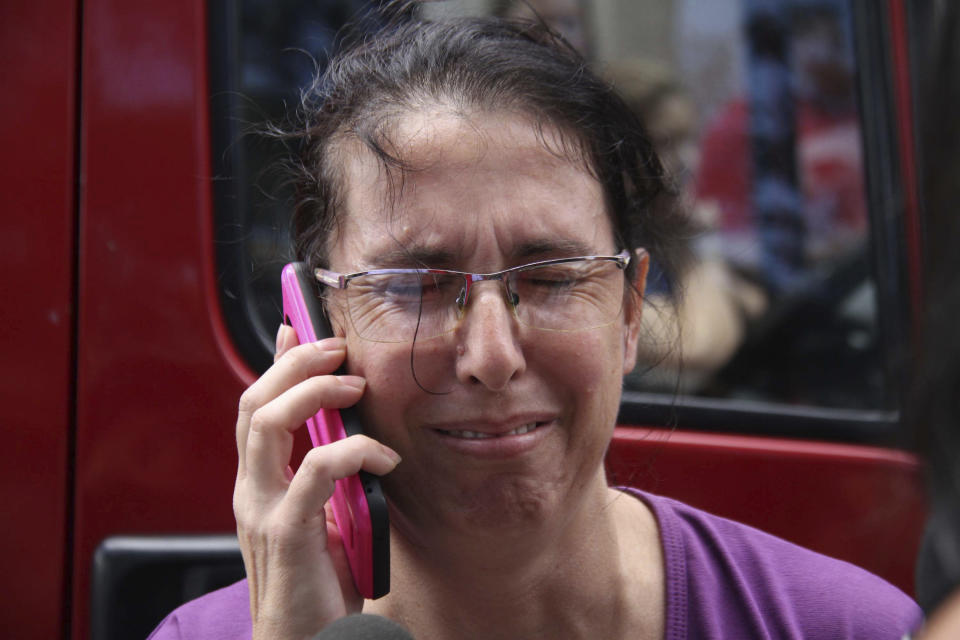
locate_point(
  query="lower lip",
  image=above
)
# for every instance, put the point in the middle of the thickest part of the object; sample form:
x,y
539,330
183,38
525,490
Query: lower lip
x,y
507,446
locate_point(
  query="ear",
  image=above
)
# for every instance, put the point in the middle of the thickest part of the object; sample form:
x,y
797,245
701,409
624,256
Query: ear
x,y
634,312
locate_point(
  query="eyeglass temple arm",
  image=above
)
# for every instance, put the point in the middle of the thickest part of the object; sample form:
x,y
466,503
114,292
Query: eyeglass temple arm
x,y
330,278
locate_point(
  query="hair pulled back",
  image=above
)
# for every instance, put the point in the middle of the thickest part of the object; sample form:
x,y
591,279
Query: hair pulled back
x,y
483,64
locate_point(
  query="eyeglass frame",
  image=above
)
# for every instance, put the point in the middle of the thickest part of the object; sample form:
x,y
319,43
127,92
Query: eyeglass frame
x,y
340,281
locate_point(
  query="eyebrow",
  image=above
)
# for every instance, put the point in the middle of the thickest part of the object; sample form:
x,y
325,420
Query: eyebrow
x,y
415,256
550,247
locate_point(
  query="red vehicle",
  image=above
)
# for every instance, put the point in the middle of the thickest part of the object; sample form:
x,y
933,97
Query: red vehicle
x,y
130,331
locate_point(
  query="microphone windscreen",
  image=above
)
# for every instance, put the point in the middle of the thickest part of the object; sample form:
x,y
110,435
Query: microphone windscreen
x,y
363,626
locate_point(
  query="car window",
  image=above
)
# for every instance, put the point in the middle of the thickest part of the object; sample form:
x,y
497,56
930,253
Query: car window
x,y
753,107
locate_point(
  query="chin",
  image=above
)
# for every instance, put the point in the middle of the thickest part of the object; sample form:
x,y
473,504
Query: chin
x,y
507,502
494,504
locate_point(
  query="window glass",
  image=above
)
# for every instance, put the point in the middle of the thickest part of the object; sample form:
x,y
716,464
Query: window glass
x,y
752,106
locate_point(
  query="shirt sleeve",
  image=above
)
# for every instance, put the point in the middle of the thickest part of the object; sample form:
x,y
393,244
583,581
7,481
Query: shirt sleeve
x,y
221,615
168,629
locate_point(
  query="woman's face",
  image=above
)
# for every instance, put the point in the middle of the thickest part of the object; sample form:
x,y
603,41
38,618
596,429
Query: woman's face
x,y
486,195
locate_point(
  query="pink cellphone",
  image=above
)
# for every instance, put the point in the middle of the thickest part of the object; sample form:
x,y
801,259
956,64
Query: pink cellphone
x,y
359,506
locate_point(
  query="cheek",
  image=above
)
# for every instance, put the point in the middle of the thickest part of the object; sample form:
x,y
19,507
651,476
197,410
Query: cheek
x,y
588,366
604,352
590,382
397,376
603,400
382,366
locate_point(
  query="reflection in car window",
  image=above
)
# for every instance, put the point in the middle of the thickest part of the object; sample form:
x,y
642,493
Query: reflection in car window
x,y
752,106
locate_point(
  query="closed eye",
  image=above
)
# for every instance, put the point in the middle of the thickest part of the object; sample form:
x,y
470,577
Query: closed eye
x,y
551,277
415,287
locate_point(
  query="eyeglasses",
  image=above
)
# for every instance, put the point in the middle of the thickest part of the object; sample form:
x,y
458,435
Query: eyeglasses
x,y
400,305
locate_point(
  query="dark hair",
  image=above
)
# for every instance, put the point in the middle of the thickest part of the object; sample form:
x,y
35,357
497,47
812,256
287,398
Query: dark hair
x,y
934,411
488,64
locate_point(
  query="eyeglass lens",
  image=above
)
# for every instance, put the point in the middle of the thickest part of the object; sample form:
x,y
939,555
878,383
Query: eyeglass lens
x,y
399,307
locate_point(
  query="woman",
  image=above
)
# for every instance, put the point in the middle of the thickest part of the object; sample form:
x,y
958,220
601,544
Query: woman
x,y
482,146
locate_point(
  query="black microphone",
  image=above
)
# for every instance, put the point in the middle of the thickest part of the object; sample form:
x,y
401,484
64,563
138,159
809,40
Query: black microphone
x,y
364,626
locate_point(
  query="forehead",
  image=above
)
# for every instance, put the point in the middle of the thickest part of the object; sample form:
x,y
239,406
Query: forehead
x,y
479,191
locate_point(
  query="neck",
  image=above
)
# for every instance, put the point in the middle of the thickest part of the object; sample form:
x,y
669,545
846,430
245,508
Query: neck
x,y
581,575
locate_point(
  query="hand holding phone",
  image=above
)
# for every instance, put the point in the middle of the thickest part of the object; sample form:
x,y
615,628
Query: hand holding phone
x,y
358,504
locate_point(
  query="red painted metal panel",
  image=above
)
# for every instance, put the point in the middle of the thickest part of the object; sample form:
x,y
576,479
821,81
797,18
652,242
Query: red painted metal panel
x,y
862,504
38,47
157,380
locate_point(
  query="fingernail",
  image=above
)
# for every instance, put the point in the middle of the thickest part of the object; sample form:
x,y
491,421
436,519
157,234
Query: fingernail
x,y
353,381
279,333
393,455
331,344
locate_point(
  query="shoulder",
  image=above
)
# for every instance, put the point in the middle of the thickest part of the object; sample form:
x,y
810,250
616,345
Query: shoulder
x,y
723,575
220,615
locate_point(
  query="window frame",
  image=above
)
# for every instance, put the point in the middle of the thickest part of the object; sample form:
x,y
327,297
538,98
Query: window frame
x,y
889,251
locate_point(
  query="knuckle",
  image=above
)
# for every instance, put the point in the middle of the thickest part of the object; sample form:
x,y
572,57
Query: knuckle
x,y
361,440
315,462
238,511
361,445
249,401
260,421
316,465
238,500
244,522
242,509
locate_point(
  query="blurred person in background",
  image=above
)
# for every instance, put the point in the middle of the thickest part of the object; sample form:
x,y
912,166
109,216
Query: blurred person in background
x,y
690,330
782,166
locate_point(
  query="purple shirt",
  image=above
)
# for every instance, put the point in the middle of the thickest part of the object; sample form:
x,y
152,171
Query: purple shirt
x,y
727,580
723,580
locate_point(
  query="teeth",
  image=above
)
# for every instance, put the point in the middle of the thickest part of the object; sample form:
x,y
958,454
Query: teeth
x,y
471,435
524,429
476,435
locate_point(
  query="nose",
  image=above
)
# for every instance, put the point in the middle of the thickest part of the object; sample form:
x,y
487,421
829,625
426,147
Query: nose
x,y
488,345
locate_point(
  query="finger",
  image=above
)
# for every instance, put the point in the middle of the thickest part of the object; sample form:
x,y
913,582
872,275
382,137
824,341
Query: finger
x,y
286,340
270,437
312,485
295,365
338,554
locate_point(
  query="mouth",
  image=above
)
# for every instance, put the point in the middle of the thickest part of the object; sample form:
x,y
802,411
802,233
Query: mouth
x,y
481,435
496,442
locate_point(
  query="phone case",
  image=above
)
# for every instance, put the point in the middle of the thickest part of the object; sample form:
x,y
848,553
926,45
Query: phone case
x,y
359,506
